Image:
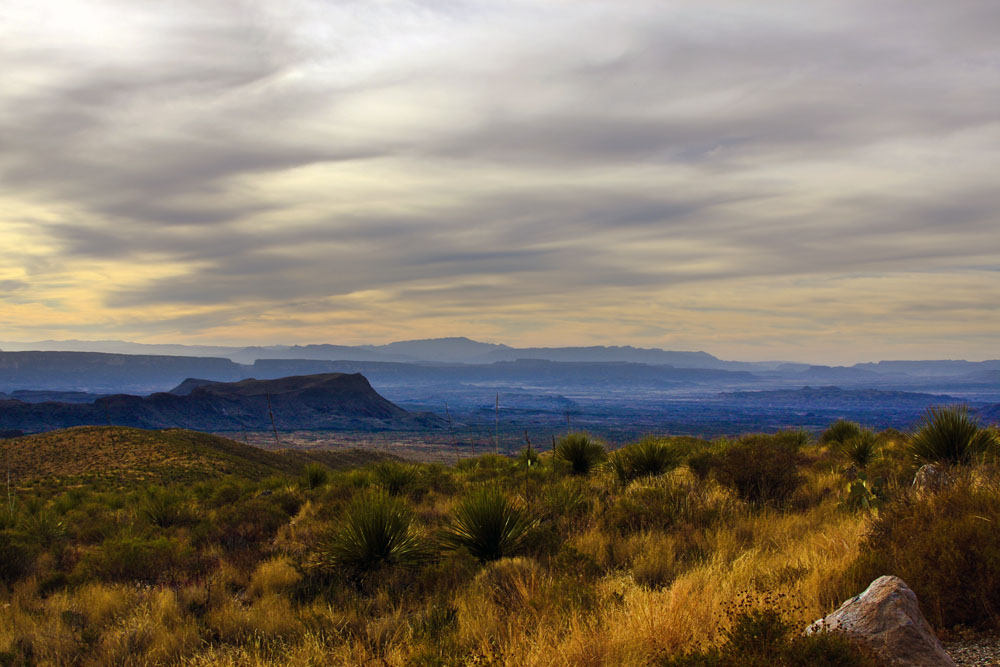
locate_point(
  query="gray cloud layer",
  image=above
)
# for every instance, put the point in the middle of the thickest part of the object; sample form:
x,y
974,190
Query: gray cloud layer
x,y
487,158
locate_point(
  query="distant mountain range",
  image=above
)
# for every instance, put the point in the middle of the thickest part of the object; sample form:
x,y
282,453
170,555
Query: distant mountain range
x,y
328,401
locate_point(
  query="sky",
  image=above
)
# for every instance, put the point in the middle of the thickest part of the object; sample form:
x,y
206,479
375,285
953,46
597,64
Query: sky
x,y
812,181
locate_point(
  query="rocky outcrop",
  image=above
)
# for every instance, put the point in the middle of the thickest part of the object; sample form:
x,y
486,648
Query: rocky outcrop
x,y
887,618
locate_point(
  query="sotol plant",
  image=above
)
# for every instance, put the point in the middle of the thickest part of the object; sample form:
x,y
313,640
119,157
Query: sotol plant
x,y
488,524
376,530
951,435
647,458
581,452
840,431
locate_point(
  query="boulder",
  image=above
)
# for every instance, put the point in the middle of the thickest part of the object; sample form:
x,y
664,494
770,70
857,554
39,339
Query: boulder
x,y
930,478
887,618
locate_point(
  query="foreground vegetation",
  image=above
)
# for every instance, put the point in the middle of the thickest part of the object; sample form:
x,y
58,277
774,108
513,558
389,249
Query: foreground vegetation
x,y
669,551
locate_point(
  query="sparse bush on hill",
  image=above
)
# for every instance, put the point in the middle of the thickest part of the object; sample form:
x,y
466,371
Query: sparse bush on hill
x,y
582,452
951,435
488,524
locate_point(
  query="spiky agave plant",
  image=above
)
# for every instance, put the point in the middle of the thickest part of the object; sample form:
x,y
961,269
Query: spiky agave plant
x,y
841,430
951,435
488,524
862,448
376,530
581,451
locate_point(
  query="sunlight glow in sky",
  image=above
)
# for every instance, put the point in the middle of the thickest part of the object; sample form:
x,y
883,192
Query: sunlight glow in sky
x,y
784,180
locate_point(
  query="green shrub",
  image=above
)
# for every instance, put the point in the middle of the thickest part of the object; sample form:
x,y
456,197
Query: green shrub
x,y
945,546
528,457
43,528
861,449
488,524
761,469
315,475
766,637
376,530
647,458
246,525
840,431
580,451
16,557
657,506
951,435
135,558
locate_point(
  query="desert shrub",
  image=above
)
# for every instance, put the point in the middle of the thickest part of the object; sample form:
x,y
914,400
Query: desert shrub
x,y
488,524
761,469
246,525
136,558
945,546
528,457
951,435
659,505
315,475
376,530
565,499
765,636
395,477
163,508
16,556
580,451
861,449
840,431
647,458
487,467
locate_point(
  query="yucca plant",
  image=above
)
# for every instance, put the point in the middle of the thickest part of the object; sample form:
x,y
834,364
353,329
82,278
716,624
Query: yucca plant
x,y
581,452
951,435
376,530
488,524
841,430
862,448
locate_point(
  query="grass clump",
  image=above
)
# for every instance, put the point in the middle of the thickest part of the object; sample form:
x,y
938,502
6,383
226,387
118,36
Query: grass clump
x,y
488,524
951,435
582,452
376,530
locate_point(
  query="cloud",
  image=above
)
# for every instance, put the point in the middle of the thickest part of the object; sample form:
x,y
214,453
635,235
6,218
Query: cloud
x,y
478,165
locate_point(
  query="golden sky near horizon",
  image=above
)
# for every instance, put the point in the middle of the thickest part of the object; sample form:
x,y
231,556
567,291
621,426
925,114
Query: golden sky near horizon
x,y
801,181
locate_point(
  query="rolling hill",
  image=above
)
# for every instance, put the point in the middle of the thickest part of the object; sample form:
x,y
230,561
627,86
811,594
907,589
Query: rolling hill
x,y
127,455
